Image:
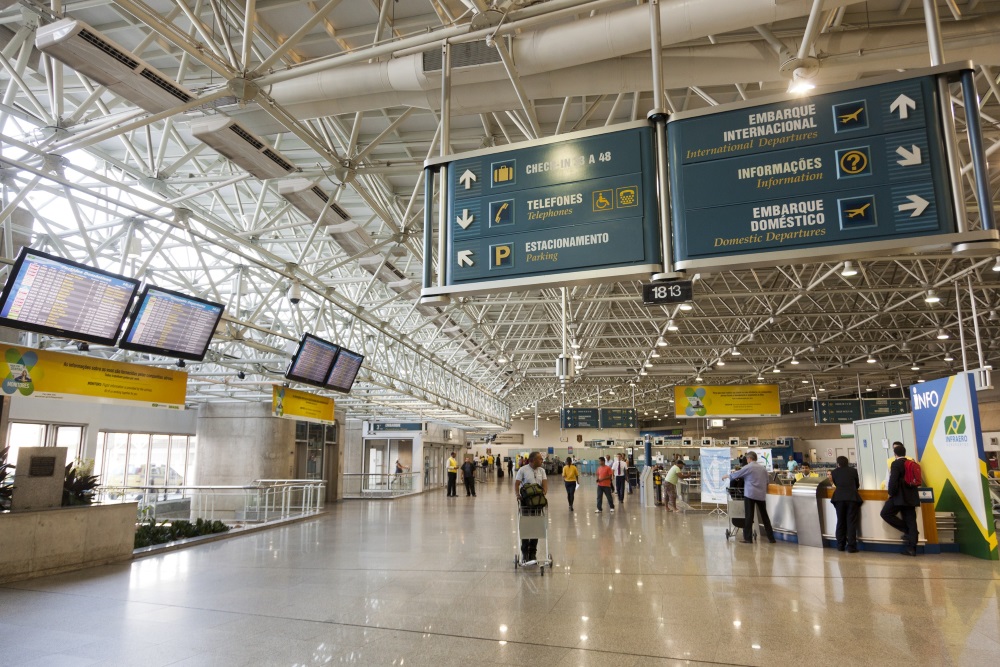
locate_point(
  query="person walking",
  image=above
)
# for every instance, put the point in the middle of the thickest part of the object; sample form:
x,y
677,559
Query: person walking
x,y
670,484
571,476
903,500
510,466
469,477
754,477
530,473
619,467
604,477
847,501
452,476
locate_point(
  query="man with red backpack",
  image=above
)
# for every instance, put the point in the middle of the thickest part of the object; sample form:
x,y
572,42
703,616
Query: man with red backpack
x,y
904,479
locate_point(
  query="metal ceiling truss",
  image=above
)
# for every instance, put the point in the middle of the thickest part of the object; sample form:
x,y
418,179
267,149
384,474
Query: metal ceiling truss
x,y
131,190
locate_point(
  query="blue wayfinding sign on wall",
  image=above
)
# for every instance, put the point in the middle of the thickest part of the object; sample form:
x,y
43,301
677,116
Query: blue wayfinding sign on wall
x,y
863,165
574,204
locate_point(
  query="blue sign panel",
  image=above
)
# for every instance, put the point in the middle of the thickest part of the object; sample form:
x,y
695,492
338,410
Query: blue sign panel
x,y
378,427
855,166
618,418
579,418
583,203
885,407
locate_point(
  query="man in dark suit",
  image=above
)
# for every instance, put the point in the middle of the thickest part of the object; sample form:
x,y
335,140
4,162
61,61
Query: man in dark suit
x,y
903,501
847,501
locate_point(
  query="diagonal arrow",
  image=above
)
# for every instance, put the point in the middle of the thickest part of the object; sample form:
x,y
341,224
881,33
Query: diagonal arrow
x,y
467,178
465,219
917,204
910,158
465,258
902,104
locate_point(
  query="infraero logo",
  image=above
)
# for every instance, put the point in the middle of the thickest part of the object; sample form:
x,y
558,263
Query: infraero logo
x,y
954,429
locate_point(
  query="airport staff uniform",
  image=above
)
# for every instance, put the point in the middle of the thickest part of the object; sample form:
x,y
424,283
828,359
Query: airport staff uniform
x,y
618,467
452,476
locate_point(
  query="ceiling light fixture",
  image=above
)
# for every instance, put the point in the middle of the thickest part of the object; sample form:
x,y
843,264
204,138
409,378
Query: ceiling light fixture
x,y
996,267
948,356
671,326
686,306
661,342
932,297
893,385
720,363
649,364
575,345
776,370
794,361
848,270
698,379
871,359
735,352
577,355
654,354
942,335
915,366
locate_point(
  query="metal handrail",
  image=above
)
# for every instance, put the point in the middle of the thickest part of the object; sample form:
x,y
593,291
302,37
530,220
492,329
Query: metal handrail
x,y
381,485
259,501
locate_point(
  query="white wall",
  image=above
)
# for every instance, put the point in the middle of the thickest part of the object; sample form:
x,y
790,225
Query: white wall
x,y
102,417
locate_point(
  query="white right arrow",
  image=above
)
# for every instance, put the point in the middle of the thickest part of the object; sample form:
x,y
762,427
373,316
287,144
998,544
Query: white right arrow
x,y
902,104
465,219
910,158
917,204
465,258
467,178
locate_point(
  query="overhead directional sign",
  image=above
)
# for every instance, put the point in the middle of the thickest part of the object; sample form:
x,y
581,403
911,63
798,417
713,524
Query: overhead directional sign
x,y
581,204
858,166
618,418
676,291
850,410
579,418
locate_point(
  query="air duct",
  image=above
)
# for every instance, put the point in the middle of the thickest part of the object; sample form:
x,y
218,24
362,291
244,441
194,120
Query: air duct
x,y
89,52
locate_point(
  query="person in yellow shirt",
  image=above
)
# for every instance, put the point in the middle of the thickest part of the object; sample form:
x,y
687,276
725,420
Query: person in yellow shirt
x,y
805,471
571,475
452,476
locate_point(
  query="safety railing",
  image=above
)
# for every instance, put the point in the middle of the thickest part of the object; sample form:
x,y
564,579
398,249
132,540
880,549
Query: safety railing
x,y
380,485
261,501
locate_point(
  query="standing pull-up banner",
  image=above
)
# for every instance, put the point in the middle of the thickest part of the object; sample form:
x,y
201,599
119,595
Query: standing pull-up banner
x,y
950,450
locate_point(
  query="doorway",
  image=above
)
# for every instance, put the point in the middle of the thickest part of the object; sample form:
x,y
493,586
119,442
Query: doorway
x,y
30,434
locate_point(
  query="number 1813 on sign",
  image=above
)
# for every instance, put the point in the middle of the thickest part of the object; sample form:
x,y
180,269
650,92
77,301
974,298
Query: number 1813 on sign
x,y
678,291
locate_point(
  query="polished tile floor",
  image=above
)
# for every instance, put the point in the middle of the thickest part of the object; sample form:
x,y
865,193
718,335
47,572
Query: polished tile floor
x,y
430,581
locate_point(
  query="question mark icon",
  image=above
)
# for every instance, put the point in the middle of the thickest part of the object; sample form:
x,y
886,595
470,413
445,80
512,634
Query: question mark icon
x,y
853,162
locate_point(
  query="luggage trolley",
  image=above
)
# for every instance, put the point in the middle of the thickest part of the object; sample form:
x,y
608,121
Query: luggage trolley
x,y
736,510
533,524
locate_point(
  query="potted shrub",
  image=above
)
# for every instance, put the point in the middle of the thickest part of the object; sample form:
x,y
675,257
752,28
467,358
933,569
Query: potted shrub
x,y
79,485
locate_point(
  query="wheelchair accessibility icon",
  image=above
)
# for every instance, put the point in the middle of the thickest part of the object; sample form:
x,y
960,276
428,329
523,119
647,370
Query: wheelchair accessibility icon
x,y
604,200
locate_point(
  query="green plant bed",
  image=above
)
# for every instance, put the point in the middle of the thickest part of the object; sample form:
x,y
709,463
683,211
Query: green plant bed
x,y
149,532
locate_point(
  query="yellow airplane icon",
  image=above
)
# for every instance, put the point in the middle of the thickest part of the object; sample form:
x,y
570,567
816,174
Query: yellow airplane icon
x,y
846,118
855,212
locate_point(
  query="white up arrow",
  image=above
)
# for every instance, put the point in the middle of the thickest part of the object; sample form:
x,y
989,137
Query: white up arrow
x,y
917,204
910,158
468,178
465,258
902,104
465,219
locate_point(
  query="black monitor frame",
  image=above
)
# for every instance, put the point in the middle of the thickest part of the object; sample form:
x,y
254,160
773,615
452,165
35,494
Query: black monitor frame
x,y
361,360
124,344
55,331
295,358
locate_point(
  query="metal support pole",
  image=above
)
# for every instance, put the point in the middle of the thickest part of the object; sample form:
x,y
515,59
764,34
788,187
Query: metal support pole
x,y
975,134
951,150
933,22
975,322
658,116
428,228
961,327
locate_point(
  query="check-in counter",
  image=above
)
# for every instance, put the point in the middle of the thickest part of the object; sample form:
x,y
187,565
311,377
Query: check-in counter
x,y
874,532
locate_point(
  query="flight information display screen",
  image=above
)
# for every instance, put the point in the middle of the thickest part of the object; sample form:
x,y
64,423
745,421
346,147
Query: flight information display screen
x,y
312,361
345,370
172,324
59,297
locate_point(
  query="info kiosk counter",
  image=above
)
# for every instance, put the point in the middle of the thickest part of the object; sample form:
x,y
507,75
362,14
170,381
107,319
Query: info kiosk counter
x,y
874,533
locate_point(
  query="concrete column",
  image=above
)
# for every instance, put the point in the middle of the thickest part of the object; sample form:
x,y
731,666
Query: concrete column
x,y
241,442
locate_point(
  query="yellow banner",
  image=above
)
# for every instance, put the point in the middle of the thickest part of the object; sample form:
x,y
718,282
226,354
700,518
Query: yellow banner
x,y
44,374
301,405
742,400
